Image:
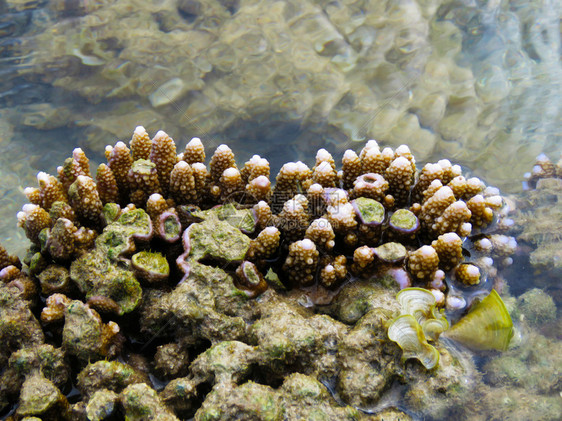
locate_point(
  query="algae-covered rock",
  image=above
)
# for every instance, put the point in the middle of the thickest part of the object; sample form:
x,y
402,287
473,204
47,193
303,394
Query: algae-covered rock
x,y
44,359
40,397
249,401
535,365
358,298
228,299
111,375
55,279
102,405
227,361
97,273
538,221
506,403
438,392
141,403
390,252
300,397
96,276
206,304
180,395
536,307
171,360
289,338
18,326
86,337
196,311
305,398
242,219
389,414
216,239
367,359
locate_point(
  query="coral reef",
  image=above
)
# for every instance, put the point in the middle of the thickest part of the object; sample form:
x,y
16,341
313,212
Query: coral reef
x,y
248,300
473,81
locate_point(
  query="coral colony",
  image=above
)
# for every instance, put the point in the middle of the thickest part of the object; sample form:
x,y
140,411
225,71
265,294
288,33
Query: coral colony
x,y
314,228
153,228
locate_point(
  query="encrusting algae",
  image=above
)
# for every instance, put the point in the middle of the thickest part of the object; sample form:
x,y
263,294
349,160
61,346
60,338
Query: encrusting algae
x,y
204,254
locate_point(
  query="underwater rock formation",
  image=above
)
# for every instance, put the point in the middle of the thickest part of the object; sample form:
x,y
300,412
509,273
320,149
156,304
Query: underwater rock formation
x,y
246,294
538,223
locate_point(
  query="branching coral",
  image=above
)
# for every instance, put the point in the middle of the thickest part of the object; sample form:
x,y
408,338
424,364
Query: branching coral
x,y
378,198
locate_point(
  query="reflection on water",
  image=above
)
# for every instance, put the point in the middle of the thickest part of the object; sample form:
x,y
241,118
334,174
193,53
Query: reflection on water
x,y
478,82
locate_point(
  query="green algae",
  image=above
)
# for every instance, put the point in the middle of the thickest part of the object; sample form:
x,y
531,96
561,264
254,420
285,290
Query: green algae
x,y
404,219
219,240
150,266
242,219
371,212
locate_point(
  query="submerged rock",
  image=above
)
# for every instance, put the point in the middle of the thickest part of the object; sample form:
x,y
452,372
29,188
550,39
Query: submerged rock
x,y
110,375
228,361
102,405
538,224
18,326
86,337
299,397
40,397
140,402
368,361
535,365
536,307
289,338
206,305
251,401
98,273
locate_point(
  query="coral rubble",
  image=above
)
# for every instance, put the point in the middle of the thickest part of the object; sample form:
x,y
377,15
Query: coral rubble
x,y
223,279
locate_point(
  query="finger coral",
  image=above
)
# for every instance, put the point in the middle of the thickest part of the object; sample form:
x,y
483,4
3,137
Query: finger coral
x,y
378,198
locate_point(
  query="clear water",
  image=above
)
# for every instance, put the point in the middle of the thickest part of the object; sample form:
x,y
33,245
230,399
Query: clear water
x,y
478,82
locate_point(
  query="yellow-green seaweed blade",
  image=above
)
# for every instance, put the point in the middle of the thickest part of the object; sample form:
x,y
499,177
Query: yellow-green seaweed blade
x,y
420,303
487,326
408,334
432,328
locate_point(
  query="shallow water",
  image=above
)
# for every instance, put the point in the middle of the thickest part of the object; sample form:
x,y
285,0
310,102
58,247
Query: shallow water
x,y
478,82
